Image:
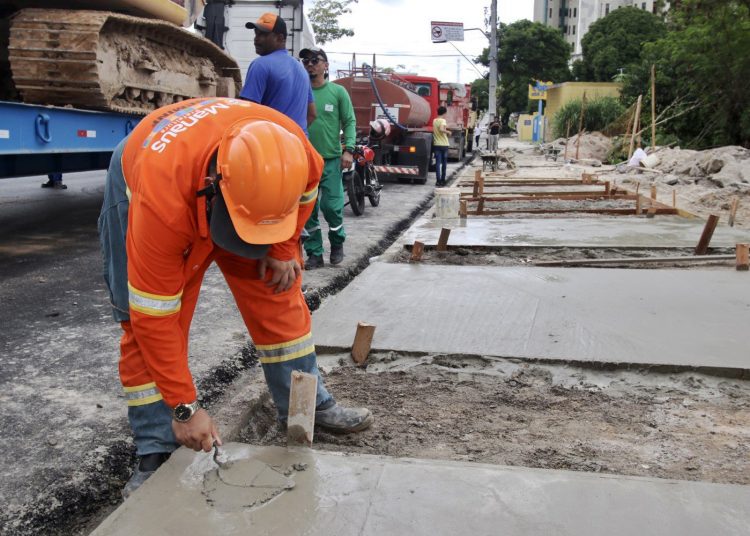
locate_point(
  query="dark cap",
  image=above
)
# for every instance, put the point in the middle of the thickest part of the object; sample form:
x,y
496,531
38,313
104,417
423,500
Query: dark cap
x,y
225,236
268,23
312,53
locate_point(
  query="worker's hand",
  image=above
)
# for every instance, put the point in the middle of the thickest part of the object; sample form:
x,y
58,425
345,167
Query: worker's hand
x,y
346,160
199,433
284,273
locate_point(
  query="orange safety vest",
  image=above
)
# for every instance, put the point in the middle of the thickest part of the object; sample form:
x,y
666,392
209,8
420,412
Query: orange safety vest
x,y
164,164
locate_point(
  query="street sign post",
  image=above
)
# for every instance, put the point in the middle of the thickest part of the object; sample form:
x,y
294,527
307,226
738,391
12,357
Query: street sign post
x,y
442,32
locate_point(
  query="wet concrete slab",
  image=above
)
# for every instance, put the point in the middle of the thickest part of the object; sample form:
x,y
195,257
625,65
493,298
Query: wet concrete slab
x,y
272,490
615,232
683,318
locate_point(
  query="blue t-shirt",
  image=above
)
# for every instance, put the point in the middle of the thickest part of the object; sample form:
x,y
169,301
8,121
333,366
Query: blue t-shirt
x,y
280,82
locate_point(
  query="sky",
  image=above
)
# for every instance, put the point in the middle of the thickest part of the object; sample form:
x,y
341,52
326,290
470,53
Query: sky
x,y
402,27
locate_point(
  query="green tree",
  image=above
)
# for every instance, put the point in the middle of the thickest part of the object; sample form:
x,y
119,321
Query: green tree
x,y
527,51
480,91
702,68
615,42
324,17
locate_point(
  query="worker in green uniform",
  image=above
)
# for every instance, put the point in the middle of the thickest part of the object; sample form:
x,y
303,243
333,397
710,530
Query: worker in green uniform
x,y
334,114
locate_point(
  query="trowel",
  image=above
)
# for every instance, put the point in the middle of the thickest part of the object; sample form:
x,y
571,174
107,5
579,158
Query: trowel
x,y
220,457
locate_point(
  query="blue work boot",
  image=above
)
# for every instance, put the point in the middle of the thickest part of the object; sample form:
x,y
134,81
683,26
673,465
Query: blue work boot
x,y
147,466
340,419
337,254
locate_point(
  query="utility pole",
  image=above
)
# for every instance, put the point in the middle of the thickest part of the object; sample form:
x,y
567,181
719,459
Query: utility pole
x,y
493,60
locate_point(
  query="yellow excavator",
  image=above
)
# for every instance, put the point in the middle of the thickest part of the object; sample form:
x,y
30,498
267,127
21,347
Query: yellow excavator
x,y
126,56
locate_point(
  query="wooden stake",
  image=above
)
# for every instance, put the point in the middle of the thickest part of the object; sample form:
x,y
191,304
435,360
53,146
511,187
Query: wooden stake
x,y
567,139
362,342
480,207
607,188
651,212
636,122
587,178
637,187
653,192
442,244
301,421
416,251
653,106
708,232
743,257
638,205
580,124
733,210
462,208
674,198
477,179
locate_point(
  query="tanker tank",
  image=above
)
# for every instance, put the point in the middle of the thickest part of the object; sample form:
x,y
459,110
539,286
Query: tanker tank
x,y
406,107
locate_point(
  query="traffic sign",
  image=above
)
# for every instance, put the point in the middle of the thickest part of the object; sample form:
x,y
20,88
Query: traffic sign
x,y
442,32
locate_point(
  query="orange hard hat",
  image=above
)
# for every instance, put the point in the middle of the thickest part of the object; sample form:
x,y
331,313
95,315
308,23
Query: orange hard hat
x,y
264,171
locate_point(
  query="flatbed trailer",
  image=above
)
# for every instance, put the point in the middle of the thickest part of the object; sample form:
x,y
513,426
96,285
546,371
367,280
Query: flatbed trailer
x,y
39,140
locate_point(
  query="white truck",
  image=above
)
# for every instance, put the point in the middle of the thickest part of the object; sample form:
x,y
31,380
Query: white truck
x,y
231,16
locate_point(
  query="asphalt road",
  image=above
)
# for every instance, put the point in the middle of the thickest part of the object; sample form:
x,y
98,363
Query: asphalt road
x,y
66,441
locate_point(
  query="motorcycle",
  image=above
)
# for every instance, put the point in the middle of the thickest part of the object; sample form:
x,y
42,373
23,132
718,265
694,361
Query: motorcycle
x,y
361,180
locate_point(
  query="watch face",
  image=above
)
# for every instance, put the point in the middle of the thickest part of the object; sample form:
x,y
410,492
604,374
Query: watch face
x,y
183,412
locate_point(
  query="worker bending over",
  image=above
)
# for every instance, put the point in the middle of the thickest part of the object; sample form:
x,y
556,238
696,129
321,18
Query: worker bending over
x,y
203,181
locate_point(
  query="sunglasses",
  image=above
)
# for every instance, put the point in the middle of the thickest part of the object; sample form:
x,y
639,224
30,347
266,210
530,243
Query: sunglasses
x,y
311,61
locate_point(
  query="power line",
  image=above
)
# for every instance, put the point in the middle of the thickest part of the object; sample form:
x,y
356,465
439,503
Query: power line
x,y
398,54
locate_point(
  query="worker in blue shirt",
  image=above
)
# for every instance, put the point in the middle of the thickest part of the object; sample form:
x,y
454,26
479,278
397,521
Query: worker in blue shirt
x,y
275,79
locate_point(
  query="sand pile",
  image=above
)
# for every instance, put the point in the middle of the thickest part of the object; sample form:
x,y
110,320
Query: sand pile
x,y
593,146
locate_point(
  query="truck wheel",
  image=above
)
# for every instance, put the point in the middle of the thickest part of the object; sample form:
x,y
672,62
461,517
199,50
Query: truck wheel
x,y
355,189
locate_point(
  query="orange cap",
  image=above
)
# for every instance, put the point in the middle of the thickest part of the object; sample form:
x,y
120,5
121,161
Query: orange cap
x,y
264,171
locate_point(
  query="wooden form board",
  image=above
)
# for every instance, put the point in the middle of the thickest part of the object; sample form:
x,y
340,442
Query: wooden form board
x,y
302,398
611,211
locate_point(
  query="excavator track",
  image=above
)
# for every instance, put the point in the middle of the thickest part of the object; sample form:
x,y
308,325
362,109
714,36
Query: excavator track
x,y
108,61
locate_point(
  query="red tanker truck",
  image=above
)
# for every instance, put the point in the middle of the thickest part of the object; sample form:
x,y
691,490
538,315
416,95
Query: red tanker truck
x,y
395,112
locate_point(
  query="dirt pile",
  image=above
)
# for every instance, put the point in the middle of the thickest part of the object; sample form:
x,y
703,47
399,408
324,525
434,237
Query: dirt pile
x,y
593,146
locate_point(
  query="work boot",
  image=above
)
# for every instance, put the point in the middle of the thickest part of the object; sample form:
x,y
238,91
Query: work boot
x,y
337,254
147,466
340,419
314,261
57,185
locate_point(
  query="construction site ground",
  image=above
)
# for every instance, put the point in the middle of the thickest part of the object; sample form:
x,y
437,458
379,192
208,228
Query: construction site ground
x,y
558,400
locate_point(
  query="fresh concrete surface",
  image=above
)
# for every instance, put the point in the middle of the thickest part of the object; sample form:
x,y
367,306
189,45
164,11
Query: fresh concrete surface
x,y
695,318
600,232
272,490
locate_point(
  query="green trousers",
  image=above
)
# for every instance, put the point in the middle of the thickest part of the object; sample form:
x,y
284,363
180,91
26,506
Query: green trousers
x,y
331,202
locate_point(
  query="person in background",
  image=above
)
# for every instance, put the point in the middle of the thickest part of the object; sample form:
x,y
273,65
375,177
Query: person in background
x,y
334,115
276,79
440,145
494,135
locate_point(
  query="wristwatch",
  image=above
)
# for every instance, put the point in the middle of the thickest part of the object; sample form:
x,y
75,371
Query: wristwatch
x,y
184,412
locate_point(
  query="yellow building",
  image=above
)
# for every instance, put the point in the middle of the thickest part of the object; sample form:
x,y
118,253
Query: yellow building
x,y
561,94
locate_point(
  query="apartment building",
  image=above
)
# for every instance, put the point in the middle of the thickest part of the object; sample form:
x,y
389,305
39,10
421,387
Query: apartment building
x,y
573,17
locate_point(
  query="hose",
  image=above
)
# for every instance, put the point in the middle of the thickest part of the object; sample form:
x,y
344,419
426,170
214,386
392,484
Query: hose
x,y
368,70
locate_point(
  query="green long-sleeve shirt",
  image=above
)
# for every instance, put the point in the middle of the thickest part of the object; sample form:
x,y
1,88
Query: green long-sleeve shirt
x,y
335,113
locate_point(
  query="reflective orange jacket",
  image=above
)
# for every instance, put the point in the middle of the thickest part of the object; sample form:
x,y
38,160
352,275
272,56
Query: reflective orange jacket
x,y
164,164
